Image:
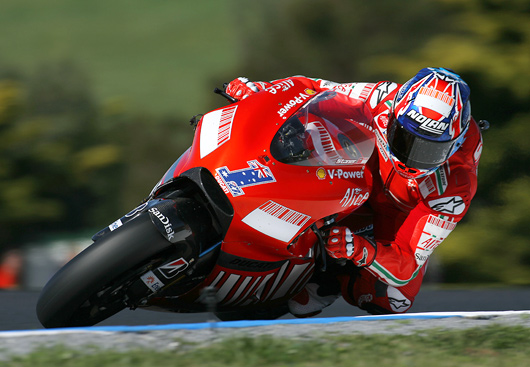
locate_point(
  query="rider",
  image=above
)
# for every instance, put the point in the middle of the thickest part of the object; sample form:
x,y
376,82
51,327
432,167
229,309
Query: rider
x,y
425,175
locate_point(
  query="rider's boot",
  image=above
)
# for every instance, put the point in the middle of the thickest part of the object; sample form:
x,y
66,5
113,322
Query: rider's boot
x,y
321,291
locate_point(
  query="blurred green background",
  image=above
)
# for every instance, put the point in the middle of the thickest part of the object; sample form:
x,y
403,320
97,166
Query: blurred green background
x,y
96,97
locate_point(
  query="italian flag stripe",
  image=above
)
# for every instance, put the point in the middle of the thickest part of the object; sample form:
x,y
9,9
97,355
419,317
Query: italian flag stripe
x,y
439,181
392,280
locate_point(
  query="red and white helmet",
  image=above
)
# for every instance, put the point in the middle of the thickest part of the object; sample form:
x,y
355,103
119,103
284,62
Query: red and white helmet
x,y
429,119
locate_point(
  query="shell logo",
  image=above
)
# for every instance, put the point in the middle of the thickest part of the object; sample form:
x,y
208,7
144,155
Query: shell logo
x,y
321,173
310,91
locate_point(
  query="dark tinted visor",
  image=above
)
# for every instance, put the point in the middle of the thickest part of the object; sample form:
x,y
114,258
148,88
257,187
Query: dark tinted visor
x,y
414,151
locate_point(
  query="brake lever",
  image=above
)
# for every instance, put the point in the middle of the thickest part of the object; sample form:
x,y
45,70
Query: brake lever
x,y
224,94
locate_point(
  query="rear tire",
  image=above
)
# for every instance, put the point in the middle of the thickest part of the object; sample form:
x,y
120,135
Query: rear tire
x,y
90,288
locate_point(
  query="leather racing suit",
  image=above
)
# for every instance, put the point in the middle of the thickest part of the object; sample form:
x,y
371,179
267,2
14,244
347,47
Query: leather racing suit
x,y
409,217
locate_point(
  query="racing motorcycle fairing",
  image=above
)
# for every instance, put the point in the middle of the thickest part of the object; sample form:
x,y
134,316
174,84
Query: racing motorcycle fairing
x,y
241,211
299,165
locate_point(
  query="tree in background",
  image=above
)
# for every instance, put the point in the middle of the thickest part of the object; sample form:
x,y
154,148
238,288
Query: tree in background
x,y
53,157
69,163
332,39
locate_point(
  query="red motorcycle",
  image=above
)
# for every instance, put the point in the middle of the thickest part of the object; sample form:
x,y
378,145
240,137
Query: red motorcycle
x,y
240,214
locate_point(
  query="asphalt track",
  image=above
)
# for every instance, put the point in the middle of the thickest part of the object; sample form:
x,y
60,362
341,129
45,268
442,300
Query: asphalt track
x,y
17,308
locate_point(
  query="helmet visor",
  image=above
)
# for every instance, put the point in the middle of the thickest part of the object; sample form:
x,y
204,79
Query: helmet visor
x,y
413,150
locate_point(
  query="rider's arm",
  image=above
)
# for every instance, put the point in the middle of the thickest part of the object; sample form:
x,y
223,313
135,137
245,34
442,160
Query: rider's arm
x,y
352,105
241,88
400,257
402,241
405,240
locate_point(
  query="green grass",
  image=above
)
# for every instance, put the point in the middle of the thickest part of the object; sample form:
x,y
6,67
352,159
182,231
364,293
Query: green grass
x,y
158,56
485,347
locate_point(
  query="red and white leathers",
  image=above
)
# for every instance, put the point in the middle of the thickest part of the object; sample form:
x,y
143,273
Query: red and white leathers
x,y
410,217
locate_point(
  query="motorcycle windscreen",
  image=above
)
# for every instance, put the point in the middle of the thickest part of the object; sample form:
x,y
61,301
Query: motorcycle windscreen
x,y
330,130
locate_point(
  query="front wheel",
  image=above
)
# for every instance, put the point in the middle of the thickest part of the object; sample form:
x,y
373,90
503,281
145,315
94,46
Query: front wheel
x,y
92,287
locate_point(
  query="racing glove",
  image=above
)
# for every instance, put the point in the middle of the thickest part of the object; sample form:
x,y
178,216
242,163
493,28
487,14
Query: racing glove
x,y
343,244
242,88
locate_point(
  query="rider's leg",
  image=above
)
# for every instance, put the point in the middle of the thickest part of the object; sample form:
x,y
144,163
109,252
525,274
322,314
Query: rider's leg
x,y
369,293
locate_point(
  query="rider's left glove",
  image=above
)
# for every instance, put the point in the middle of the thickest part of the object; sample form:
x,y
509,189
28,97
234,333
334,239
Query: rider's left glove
x,y
242,88
343,244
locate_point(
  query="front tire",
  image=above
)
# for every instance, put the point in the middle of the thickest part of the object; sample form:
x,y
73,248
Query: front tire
x,y
92,287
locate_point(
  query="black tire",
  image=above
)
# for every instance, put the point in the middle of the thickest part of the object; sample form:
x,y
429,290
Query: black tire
x,y
87,289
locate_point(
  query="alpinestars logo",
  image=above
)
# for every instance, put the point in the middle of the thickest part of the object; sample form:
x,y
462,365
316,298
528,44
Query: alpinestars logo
x,y
381,92
362,262
398,303
452,205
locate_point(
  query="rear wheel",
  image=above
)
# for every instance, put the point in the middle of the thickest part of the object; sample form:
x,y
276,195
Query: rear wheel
x,y
93,286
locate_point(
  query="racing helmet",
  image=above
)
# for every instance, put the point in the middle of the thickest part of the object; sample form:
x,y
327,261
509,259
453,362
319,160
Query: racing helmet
x,y
428,122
